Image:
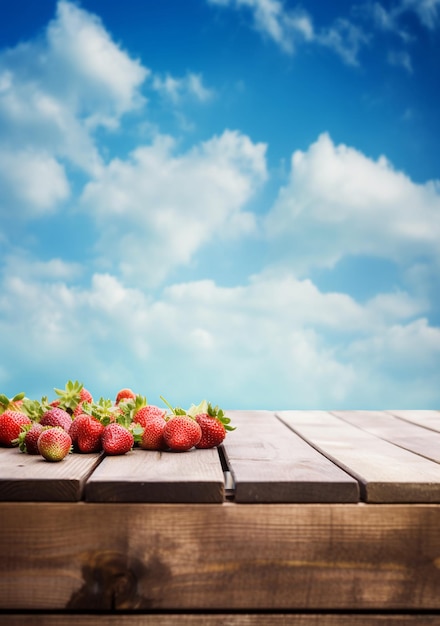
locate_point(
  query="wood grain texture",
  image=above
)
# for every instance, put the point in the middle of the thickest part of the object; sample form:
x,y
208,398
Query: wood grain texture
x,y
405,434
25,477
86,556
427,419
147,476
386,473
221,619
270,463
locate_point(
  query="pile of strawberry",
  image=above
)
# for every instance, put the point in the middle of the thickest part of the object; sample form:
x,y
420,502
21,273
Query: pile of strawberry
x,y
75,422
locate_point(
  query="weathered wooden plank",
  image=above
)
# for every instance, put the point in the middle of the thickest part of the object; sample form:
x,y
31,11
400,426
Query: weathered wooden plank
x,y
123,557
269,463
147,476
425,418
29,477
405,434
386,473
222,619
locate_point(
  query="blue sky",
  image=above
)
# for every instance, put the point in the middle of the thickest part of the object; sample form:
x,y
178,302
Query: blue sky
x,y
236,200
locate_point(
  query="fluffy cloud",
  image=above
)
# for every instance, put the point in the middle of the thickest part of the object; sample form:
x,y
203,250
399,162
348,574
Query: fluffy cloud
x,y
273,342
31,181
155,210
102,77
53,92
339,202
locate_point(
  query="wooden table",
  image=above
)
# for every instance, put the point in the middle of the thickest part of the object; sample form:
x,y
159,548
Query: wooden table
x,y
302,517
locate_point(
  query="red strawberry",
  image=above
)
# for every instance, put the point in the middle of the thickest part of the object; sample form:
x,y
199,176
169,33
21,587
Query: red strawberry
x,y
214,425
181,433
125,394
213,431
57,417
85,395
116,439
152,437
54,444
89,434
78,410
78,422
10,426
145,413
28,438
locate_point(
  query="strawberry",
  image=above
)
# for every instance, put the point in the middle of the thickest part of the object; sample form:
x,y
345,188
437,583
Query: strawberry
x,y
125,394
116,439
11,404
54,444
214,425
10,426
79,422
146,413
28,438
152,438
88,434
57,417
181,433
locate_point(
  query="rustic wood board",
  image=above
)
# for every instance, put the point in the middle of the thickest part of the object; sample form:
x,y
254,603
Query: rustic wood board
x,y
230,557
29,477
147,476
222,619
427,419
269,463
405,434
386,473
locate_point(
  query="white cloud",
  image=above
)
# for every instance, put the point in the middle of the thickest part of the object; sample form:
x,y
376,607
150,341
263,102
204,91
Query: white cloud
x,y
426,10
339,202
274,342
33,182
345,39
177,89
155,210
54,91
102,77
289,28
272,20
392,19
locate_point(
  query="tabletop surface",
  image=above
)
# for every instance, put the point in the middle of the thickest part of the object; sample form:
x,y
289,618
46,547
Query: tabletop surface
x,y
387,457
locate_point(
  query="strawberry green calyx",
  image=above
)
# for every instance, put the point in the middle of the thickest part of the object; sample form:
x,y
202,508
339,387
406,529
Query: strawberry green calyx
x,y
103,410
175,410
220,415
35,409
11,404
70,396
206,407
131,406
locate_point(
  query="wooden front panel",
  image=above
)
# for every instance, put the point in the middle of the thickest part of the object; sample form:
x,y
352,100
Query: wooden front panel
x,y
85,556
223,619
